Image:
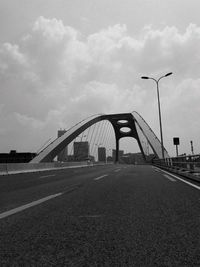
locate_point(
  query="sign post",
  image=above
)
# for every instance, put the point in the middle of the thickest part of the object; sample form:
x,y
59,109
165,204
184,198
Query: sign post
x,y
192,148
176,143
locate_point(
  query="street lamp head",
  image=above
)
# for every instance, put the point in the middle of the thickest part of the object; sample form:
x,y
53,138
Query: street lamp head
x,y
144,77
170,73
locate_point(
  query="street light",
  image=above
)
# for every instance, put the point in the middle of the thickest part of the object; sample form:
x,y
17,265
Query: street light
x,y
157,81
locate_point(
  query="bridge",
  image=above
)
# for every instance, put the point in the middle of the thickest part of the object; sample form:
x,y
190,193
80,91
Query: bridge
x,y
133,124
101,215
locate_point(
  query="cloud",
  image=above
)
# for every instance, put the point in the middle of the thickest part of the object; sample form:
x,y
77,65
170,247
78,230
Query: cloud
x,y
54,77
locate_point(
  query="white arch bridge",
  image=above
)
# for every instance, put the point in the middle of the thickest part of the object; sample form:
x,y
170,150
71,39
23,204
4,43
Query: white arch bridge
x,y
137,128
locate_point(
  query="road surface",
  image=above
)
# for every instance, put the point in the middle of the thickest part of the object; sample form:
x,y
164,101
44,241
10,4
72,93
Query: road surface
x,y
117,215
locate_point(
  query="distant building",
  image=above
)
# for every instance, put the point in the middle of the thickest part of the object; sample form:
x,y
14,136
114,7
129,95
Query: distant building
x,y
109,159
139,158
102,154
70,157
91,158
81,151
128,158
16,157
133,158
63,155
121,152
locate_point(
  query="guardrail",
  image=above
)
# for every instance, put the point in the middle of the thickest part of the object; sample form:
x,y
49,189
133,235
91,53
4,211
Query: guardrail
x,y
13,168
188,166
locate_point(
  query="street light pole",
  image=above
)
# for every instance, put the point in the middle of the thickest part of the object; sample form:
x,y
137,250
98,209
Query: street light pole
x,y
160,120
159,109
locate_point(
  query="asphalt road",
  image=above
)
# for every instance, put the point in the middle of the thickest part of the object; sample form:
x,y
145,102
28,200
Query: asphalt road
x,y
117,215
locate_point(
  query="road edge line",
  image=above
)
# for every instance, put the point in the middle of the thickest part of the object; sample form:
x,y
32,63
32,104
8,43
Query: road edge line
x,y
184,181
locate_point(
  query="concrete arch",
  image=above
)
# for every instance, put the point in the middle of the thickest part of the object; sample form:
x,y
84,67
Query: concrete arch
x,y
152,139
133,121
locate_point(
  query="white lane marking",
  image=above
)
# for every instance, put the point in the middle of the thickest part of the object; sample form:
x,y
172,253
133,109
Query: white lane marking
x,y
186,182
170,178
117,170
45,176
89,216
29,205
100,177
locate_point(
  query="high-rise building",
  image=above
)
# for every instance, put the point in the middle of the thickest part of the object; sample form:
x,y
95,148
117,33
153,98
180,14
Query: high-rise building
x,y
81,151
63,155
102,154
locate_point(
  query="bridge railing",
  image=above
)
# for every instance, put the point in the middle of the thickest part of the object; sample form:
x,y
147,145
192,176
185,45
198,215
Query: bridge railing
x,y
187,165
12,168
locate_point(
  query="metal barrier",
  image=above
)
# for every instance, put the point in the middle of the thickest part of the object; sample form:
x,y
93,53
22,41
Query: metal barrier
x,y
11,168
188,166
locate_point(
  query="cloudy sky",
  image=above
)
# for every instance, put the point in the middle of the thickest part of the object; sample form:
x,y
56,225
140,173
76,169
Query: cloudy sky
x,y
64,60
